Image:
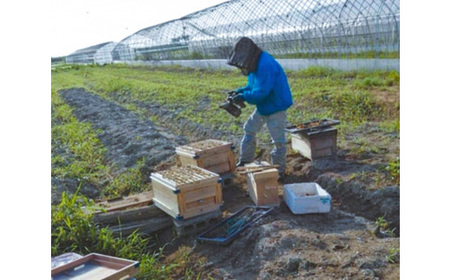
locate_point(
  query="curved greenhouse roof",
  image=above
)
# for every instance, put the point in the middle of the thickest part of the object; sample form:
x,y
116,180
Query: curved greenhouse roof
x,y
99,54
285,28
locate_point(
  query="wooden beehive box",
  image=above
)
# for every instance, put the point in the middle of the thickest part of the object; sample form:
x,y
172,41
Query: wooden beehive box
x,y
316,144
214,155
186,191
263,186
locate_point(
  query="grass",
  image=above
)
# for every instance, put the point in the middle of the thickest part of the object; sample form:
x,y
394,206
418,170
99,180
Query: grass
x,y
393,255
74,231
84,156
318,92
394,170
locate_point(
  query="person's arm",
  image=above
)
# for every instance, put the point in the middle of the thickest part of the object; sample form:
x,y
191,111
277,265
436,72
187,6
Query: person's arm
x,y
246,87
263,84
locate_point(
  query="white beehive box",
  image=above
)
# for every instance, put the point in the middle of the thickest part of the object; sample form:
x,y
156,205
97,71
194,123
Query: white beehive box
x,y
303,198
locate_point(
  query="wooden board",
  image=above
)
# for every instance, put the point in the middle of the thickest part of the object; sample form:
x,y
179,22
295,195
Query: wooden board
x,y
132,201
96,267
148,226
128,215
146,219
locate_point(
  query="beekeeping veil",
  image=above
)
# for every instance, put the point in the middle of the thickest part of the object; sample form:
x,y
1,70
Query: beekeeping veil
x,y
245,54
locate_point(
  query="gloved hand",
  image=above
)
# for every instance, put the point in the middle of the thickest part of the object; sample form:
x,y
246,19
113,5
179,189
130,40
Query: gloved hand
x,y
238,98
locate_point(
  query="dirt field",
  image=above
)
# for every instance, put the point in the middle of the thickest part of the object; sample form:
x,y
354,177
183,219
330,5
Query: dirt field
x,y
342,244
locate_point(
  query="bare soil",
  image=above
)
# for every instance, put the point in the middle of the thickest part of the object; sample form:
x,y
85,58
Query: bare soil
x,y
342,244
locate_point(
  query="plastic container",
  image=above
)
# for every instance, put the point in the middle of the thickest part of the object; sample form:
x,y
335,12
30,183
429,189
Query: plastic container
x,y
304,198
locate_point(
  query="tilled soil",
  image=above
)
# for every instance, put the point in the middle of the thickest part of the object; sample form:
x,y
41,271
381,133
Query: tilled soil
x,y
342,244
336,245
126,136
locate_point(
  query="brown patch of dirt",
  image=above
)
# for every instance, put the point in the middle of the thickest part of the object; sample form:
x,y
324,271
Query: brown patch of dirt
x,y
390,100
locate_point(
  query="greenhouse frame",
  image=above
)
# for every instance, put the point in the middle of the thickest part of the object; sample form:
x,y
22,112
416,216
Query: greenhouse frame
x,y
98,54
287,29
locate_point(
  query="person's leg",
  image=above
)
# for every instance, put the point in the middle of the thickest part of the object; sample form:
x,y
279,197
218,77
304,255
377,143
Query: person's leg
x,y
248,143
275,124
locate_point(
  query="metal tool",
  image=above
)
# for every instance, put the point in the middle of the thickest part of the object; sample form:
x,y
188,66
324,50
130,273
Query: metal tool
x,y
232,107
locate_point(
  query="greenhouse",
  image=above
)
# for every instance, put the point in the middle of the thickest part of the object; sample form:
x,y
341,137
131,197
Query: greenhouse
x,y
284,28
98,54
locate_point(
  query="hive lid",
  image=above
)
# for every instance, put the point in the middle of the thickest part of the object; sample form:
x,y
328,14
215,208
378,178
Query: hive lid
x,y
311,126
205,146
183,175
253,168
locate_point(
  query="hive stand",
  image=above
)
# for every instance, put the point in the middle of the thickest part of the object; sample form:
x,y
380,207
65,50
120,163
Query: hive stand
x,y
196,224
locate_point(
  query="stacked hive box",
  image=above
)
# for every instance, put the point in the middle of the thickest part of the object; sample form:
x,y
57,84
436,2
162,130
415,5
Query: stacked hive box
x,y
213,155
316,144
186,191
263,185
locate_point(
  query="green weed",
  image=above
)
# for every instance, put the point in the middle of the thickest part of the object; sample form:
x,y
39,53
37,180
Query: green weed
x,y
74,231
381,223
393,255
151,267
316,72
83,143
128,182
394,170
383,226
369,82
390,126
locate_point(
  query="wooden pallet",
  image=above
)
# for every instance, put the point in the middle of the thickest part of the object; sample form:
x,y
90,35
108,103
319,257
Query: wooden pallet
x,y
186,191
213,155
196,224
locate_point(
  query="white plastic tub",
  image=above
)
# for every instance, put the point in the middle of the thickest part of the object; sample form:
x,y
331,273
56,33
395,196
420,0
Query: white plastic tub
x,y
303,198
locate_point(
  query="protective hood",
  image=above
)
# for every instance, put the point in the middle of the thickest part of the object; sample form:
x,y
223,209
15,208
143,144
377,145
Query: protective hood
x,y
245,54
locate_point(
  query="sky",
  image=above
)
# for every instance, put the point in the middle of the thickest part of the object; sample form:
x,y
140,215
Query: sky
x,y
77,24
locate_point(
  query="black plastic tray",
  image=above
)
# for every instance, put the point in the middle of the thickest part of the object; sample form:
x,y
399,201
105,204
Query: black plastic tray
x,y
324,124
227,230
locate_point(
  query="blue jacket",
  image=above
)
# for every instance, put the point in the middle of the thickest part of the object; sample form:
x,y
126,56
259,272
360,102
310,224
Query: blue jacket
x,y
267,87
